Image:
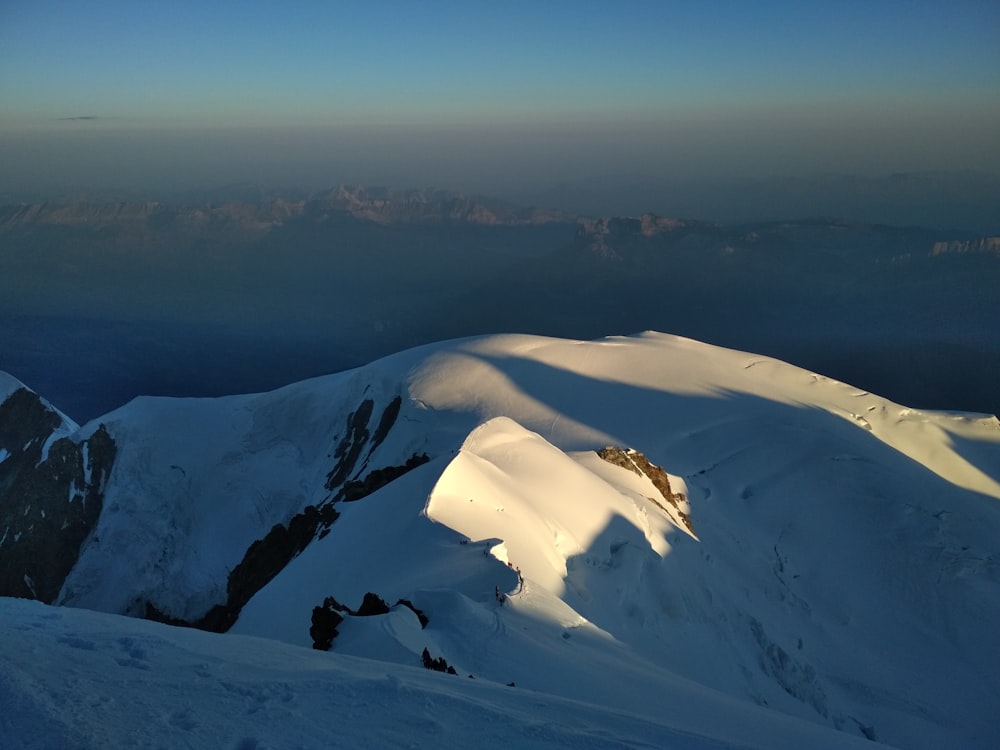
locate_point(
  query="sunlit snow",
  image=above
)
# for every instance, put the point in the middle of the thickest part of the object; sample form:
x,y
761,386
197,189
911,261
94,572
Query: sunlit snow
x,y
838,582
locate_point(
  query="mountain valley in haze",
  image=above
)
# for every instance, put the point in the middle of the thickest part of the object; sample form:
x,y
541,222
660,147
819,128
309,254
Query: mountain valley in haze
x,y
105,300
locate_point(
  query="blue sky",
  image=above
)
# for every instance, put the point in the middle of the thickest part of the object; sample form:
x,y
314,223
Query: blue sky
x,y
272,90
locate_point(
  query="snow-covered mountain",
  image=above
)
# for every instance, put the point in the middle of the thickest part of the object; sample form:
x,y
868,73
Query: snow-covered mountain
x,y
657,541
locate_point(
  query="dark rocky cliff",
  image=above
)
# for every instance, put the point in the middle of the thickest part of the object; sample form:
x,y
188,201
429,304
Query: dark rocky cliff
x,y
51,495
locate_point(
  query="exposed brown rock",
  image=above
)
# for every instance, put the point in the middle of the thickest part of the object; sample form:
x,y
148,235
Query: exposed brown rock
x,y
636,462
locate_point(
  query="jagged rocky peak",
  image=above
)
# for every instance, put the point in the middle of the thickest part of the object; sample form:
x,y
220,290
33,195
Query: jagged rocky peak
x,y
636,462
51,494
431,205
27,420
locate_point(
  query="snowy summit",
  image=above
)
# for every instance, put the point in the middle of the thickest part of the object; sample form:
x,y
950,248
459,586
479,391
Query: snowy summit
x,y
511,540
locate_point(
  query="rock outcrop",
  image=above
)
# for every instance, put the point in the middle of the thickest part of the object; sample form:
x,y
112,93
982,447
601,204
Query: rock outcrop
x,y
51,495
267,556
636,462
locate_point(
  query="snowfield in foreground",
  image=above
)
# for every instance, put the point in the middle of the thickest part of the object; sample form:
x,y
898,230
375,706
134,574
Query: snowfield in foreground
x,y
79,679
768,558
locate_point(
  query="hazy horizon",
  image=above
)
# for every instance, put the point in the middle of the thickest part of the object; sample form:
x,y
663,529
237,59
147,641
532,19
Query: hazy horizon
x,y
508,100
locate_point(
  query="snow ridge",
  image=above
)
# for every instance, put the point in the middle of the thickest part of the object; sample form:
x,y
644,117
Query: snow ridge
x,y
760,566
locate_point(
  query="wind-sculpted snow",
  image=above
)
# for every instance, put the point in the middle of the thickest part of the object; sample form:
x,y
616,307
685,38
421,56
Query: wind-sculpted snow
x,y
776,553
801,592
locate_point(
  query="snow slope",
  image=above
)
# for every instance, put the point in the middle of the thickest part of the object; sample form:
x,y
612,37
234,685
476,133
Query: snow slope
x,y
90,681
839,572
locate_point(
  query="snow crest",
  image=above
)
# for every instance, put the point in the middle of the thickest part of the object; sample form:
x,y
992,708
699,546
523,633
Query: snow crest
x,y
826,574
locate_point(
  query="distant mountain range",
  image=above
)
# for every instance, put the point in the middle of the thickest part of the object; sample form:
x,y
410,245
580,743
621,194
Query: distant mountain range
x,y
962,201
950,201
379,205
100,301
385,206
